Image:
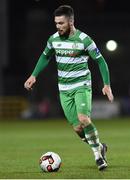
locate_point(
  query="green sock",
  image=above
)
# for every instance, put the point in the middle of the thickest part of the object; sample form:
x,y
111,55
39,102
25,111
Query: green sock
x,y
82,136
91,135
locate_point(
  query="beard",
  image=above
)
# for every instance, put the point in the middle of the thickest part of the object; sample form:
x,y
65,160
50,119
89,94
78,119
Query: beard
x,y
65,34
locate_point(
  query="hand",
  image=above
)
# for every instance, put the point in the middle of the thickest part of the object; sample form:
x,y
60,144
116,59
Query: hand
x,y
30,82
107,91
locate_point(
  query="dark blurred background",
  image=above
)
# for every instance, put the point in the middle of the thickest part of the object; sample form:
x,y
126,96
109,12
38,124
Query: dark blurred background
x,y
25,28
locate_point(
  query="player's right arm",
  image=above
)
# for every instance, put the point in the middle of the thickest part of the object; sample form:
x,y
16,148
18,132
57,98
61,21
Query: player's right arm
x,y
41,64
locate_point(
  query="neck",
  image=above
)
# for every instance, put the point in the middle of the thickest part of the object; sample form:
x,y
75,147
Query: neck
x,y
72,31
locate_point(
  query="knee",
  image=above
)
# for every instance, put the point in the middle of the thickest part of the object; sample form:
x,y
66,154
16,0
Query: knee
x,y
84,120
78,128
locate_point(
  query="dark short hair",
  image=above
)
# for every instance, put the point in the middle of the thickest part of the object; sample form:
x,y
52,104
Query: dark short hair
x,y
64,10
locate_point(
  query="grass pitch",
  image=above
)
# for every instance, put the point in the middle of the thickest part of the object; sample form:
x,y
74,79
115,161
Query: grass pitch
x,y
23,142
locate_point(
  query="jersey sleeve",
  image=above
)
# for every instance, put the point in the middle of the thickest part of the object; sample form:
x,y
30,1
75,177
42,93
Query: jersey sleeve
x,y
94,53
91,48
49,50
44,59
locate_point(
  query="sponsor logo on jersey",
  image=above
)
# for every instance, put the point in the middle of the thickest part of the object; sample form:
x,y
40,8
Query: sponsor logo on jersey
x,y
66,52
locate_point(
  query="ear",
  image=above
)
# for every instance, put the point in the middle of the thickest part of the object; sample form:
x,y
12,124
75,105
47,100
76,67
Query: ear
x,y
71,22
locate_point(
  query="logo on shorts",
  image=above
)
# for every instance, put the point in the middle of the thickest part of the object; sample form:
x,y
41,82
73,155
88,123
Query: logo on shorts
x,y
83,104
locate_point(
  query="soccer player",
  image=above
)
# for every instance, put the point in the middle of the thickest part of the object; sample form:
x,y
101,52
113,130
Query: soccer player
x,y
72,49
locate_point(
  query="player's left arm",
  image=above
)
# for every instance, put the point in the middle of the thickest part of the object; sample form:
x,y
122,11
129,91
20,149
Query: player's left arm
x,y
106,77
97,56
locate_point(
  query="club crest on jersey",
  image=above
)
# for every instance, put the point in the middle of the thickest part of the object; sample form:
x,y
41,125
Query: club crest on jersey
x,y
58,45
75,46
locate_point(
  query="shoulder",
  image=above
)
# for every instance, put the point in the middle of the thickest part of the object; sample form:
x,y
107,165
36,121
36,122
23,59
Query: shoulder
x,y
85,38
53,37
82,35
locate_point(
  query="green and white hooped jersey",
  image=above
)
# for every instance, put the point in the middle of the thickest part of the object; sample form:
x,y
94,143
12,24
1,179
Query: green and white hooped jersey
x,y
72,55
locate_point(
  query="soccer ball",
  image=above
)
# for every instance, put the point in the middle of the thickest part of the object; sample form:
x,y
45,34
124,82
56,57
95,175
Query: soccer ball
x,y
50,162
